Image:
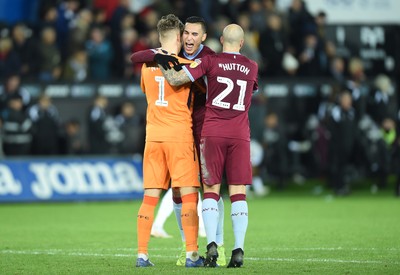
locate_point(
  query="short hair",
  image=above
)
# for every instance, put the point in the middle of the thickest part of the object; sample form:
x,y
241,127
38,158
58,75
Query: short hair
x,y
197,20
169,22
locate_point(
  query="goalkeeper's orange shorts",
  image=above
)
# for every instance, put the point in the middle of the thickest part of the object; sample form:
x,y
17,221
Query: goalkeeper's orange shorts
x,y
170,161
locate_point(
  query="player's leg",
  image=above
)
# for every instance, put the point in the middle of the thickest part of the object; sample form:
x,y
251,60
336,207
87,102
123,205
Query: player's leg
x,y
239,216
164,211
239,174
202,230
190,224
211,217
177,202
145,219
153,183
184,171
197,131
213,159
221,261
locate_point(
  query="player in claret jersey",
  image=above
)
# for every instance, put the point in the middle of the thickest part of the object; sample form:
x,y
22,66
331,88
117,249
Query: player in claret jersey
x,y
194,34
225,137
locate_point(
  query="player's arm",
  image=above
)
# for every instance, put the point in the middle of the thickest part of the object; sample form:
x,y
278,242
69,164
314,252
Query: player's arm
x,y
143,56
175,78
185,74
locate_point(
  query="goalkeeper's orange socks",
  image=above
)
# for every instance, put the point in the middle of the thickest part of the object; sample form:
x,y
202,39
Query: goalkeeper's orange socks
x,y
145,219
190,221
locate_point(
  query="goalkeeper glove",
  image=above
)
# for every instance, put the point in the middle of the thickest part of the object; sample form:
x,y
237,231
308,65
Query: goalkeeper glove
x,y
164,60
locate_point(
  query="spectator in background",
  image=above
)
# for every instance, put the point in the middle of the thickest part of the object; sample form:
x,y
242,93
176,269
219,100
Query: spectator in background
x,y
257,16
357,86
270,8
106,6
26,49
337,70
309,57
382,102
320,21
12,86
100,19
76,68
217,27
79,31
127,21
147,21
250,46
232,9
272,46
103,133
97,134
326,49
387,146
49,56
71,140
119,13
342,126
17,128
276,157
132,126
10,62
301,22
100,54
67,12
48,17
321,136
122,44
125,68
46,125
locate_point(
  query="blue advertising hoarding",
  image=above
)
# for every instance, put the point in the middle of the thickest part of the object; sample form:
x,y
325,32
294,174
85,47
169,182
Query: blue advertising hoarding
x,y
70,179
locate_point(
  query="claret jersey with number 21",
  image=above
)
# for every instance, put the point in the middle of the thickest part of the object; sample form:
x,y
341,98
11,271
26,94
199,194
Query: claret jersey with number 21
x,y
231,80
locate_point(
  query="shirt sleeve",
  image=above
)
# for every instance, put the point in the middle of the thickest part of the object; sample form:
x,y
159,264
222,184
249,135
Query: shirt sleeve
x,y
143,56
197,69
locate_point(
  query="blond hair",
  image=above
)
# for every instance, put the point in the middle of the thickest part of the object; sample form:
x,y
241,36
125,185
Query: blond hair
x,y
169,23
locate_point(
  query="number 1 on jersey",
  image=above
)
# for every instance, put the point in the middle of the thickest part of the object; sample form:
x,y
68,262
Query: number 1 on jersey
x,y
161,84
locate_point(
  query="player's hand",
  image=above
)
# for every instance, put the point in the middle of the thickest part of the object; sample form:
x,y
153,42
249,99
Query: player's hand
x,y
178,67
166,60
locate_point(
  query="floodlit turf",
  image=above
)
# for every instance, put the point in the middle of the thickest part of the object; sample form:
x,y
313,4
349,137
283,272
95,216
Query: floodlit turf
x,y
287,234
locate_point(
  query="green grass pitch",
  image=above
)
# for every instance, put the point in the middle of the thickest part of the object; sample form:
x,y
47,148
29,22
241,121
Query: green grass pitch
x,y
288,233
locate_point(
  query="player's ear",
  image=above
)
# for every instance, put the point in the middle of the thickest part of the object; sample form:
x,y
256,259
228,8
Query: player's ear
x,y
241,43
203,38
221,39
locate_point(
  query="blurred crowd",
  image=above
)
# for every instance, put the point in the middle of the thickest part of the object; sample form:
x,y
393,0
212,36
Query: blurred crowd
x,y
352,130
78,40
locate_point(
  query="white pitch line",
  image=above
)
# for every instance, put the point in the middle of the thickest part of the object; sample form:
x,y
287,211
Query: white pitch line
x,y
325,249
371,249
84,254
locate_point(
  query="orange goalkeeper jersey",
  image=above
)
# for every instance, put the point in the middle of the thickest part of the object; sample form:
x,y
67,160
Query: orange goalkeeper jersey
x,y
169,108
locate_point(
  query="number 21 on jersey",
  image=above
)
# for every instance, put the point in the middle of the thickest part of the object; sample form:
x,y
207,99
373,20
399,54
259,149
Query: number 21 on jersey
x,y
218,100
